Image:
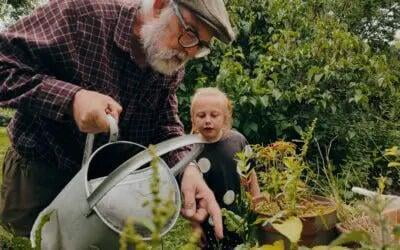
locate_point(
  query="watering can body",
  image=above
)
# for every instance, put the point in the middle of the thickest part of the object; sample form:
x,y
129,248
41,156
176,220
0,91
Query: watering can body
x,y
90,211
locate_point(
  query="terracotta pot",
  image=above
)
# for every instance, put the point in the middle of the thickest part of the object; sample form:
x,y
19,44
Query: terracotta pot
x,y
317,229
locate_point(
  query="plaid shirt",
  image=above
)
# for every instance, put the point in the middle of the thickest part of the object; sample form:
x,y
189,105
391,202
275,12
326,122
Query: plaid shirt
x,y
67,45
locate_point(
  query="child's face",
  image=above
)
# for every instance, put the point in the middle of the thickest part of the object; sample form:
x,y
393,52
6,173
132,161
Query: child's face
x,y
208,116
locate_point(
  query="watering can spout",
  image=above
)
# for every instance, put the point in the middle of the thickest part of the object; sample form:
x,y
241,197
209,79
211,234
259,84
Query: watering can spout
x,y
394,200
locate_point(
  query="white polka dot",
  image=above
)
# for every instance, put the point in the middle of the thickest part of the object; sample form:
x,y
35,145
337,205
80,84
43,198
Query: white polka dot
x,y
204,165
210,221
229,197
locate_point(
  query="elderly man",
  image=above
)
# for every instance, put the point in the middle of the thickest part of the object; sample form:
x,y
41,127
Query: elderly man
x,y
72,62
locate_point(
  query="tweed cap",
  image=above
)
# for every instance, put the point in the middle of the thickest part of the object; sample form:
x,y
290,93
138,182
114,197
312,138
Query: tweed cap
x,y
214,14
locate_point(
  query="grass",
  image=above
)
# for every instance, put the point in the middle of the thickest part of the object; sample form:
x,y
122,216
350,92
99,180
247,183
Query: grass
x,y
4,143
177,237
5,116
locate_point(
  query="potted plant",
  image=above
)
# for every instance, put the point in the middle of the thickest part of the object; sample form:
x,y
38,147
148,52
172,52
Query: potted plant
x,y
285,194
375,226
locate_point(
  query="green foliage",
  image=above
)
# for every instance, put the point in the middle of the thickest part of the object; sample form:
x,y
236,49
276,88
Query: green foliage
x,y
373,20
5,116
242,220
130,237
9,241
12,10
394,154
161,211
234,223
294,61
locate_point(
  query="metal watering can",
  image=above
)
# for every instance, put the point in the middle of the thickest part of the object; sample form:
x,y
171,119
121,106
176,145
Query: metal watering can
x,y
89,213
393,201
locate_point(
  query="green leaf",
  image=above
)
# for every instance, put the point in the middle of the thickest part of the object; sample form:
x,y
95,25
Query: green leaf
x,y
233,222
394,164
264,100
354,236
290,228
276,94
318,77
329,248
254,127
253,101
393,151
277,245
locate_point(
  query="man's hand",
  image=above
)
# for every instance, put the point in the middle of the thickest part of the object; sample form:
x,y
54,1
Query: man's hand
x,y
90,109
199,200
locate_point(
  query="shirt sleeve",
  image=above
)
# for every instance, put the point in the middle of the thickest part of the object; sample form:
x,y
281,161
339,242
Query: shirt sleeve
x,y
28,52
170,124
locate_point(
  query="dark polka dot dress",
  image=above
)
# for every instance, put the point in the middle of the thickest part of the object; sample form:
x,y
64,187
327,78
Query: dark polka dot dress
x,y
218,166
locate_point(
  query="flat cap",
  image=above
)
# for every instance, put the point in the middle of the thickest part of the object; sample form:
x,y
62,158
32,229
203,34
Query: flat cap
x,y
214,14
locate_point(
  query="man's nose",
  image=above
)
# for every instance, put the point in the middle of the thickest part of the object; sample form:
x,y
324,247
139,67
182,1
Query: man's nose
x,y
192,51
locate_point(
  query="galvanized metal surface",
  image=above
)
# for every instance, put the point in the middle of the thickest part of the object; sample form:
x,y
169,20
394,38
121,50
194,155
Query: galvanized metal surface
x,y
72,227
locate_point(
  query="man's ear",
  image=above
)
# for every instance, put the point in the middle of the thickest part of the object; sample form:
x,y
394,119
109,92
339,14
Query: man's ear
x,y
158,6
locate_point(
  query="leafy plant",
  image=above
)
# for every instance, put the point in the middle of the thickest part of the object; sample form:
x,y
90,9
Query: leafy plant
x,y
242,220
372,229
394,154
162,212
280,169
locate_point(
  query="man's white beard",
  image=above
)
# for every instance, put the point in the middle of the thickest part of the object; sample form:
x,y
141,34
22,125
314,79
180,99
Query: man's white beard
x,y
164,60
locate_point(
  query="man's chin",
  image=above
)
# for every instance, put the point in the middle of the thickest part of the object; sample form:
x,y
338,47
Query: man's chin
x,y
166,68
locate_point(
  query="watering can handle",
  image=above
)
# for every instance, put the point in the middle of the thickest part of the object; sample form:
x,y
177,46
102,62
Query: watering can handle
x,y
144,157
113,128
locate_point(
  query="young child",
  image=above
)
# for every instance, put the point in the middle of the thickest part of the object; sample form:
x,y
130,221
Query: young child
x,y
211,116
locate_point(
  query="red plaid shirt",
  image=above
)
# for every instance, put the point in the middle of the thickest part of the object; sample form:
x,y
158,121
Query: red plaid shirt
x,y
67,45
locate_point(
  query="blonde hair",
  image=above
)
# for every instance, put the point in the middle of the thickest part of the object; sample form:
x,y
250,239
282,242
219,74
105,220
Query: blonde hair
x,y
212,91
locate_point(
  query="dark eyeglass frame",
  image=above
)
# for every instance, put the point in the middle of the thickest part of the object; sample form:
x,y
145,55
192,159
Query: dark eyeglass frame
x,y
203,47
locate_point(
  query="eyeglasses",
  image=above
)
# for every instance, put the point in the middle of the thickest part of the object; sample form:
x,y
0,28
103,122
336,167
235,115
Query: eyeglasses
x,y
189,37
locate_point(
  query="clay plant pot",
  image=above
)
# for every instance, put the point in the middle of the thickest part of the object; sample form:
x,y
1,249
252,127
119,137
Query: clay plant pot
x,y
318,228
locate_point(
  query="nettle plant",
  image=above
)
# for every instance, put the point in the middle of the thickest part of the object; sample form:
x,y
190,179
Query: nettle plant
x,y
162,212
